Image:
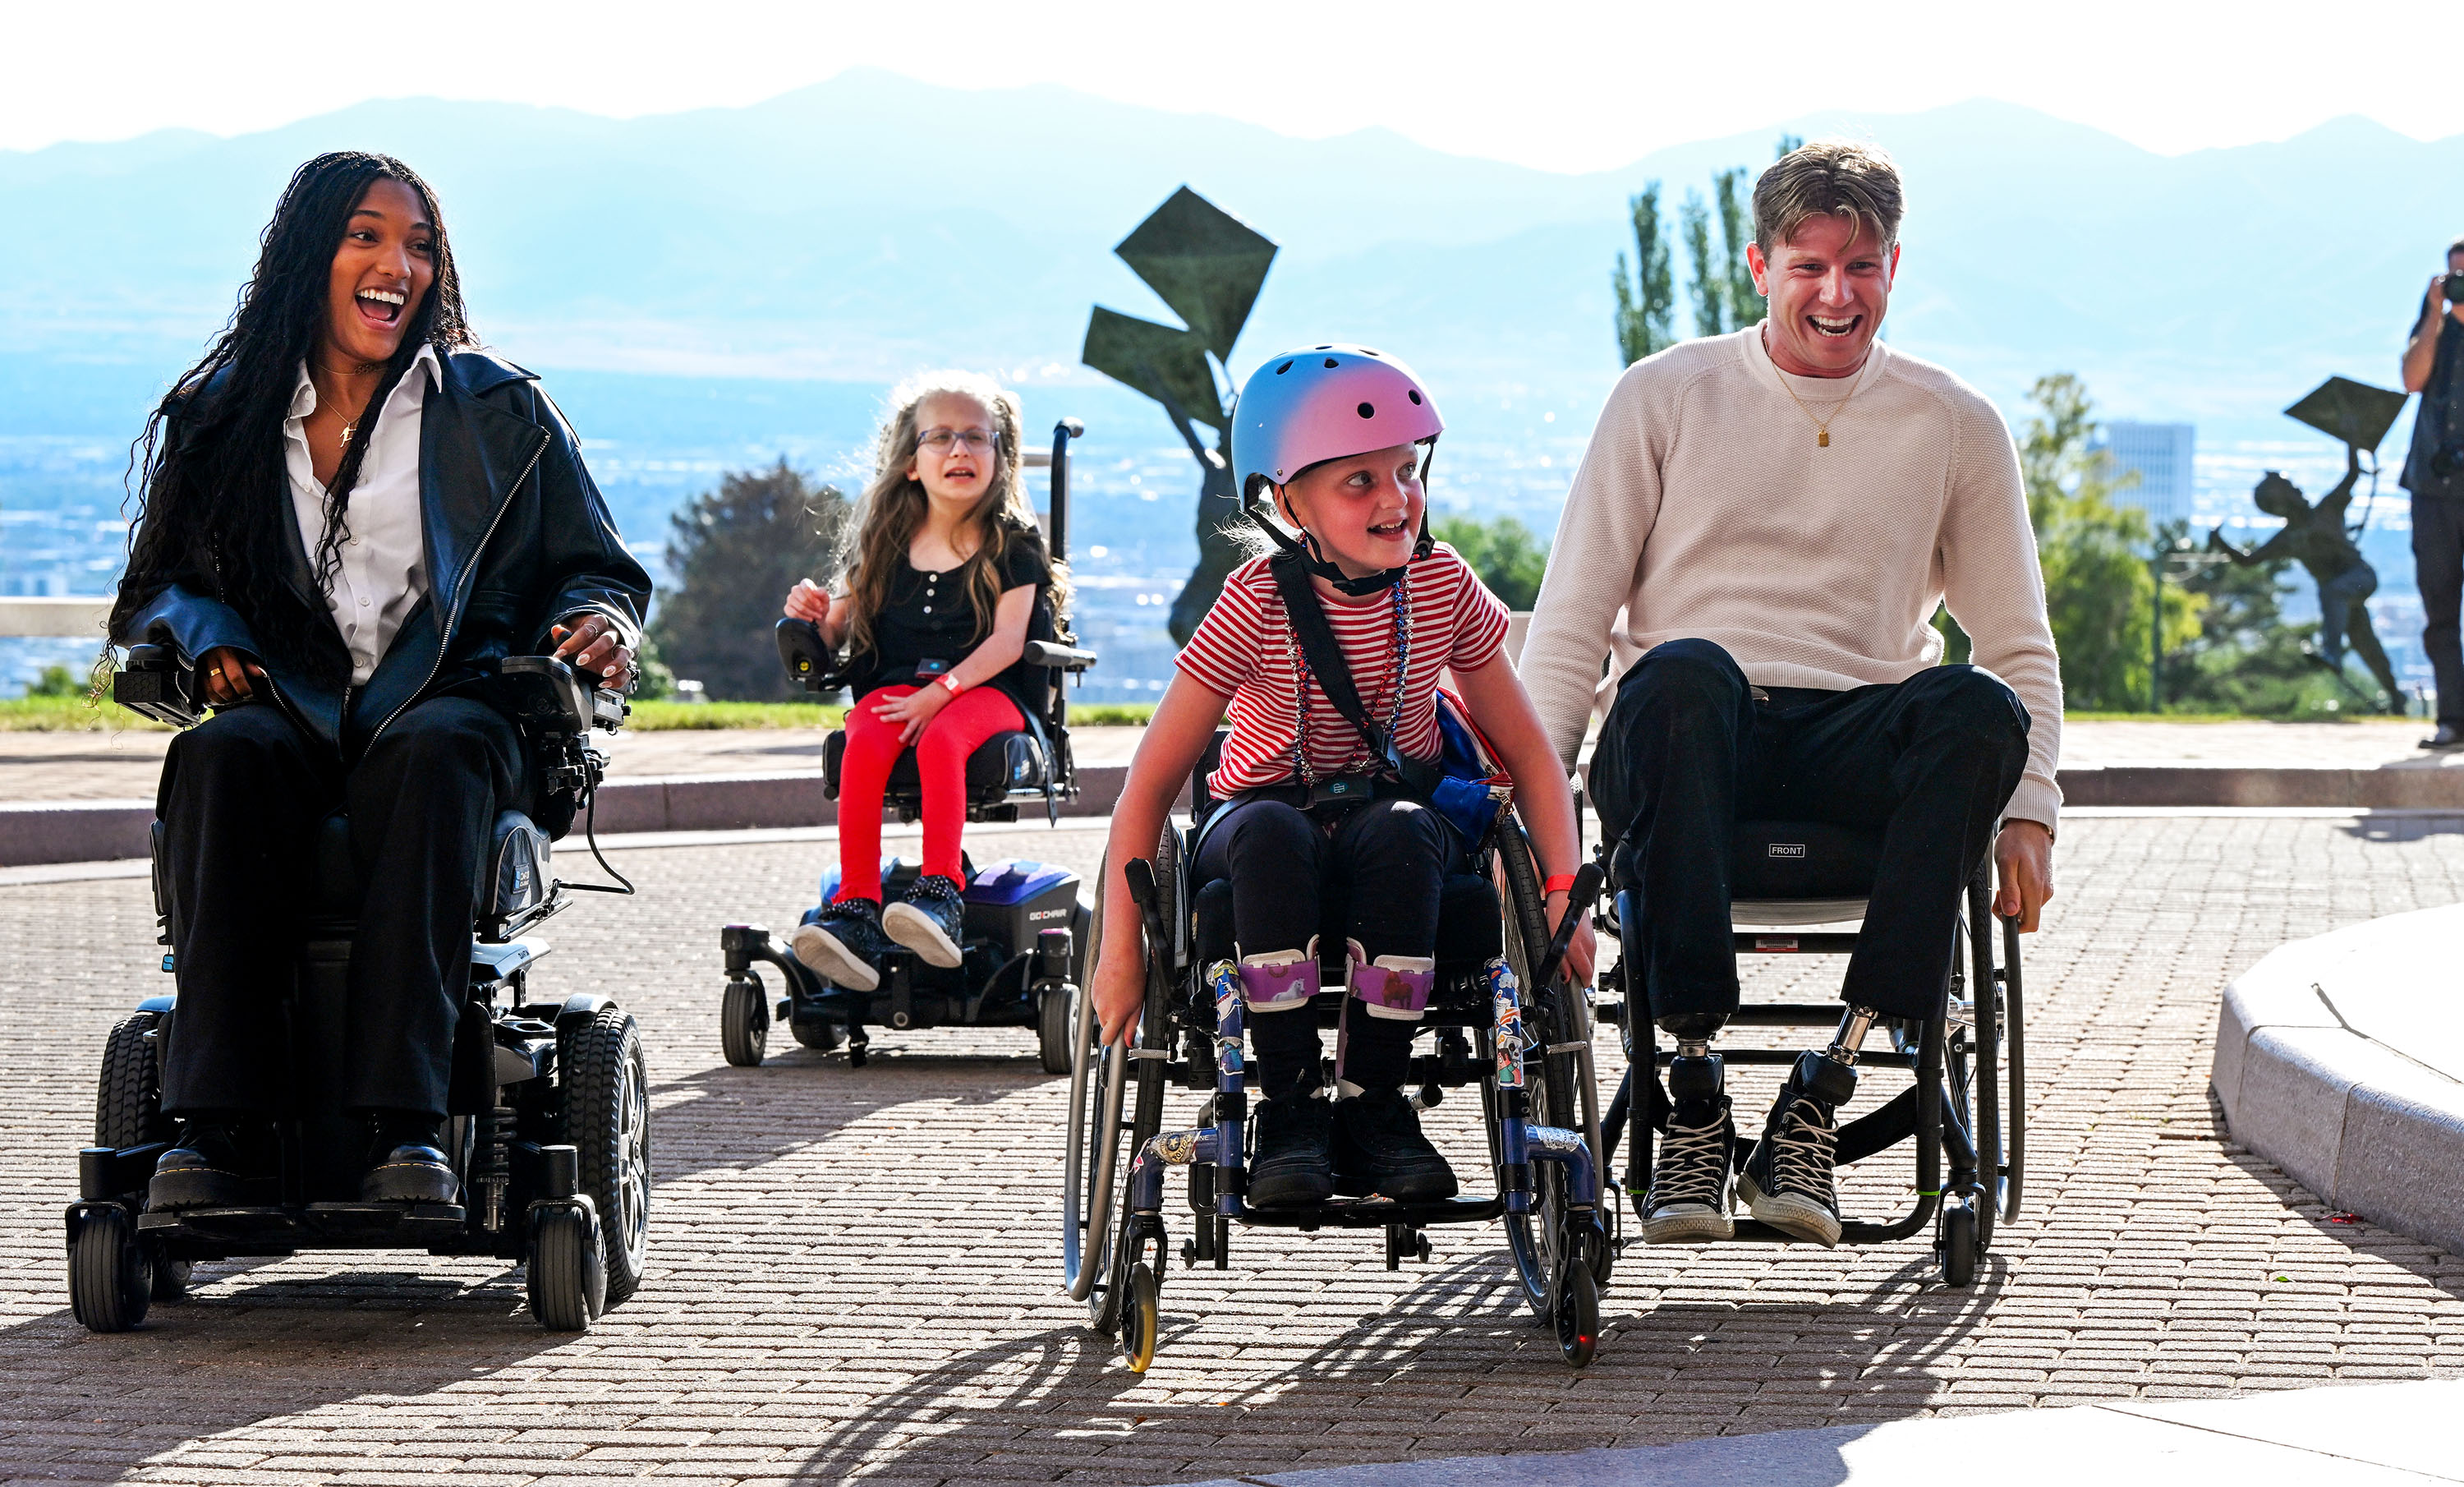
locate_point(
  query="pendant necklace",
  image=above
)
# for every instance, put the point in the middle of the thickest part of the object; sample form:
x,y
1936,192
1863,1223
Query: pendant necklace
x,y
1821,425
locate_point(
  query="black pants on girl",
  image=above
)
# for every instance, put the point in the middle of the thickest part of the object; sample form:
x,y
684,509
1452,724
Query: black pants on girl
x,y
1373,877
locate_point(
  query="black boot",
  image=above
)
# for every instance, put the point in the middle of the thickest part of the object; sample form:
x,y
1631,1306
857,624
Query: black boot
x,y
1378,1149
1295,1165
406,1163
205,1168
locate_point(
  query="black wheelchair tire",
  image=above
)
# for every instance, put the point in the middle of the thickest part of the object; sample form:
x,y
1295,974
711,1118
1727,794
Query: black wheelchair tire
x,y
1056,1018
821,1035
1140,1319
1552,1089
111,1276
128,1099
567,1283
745,1023
1146,1115
606,1101
1578,1316
1959,1247
172,1280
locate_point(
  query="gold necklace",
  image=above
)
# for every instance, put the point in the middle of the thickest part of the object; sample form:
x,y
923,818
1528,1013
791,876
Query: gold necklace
x,y
1821,425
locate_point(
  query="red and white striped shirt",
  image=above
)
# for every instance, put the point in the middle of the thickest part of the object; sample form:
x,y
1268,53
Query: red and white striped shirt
x,y
1245,649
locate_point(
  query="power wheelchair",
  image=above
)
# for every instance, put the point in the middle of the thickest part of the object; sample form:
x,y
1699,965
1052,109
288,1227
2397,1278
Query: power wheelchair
x,y
1968,1068
1502,1017
1025,928
549,1130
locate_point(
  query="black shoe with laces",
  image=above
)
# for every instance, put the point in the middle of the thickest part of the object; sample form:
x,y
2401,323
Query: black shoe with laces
x,y
406,1164
205,1168
1787,1182
1378,1149
1688,1200
1293,1166
844,945
927,920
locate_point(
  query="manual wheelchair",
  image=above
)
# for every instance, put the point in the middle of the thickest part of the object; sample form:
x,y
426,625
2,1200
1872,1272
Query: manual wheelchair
x,y
1789,874
1026,929
549,1124
1504,1019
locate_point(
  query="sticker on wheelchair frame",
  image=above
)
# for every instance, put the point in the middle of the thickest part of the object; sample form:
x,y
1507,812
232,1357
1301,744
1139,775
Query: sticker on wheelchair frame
x,y
1176,1148
1506,1003
1786,849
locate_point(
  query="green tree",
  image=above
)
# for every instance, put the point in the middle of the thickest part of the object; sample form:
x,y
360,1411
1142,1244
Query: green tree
x,y
56,681
1645,293
1505,553
2098,591
732,554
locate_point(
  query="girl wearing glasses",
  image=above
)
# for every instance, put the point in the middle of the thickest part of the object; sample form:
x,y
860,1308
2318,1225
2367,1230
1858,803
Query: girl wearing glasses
x,y
942,569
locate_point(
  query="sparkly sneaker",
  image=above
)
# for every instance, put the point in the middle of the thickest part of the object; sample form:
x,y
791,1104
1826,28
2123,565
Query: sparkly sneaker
x,y
1688,1202
846,944
1788,1180
929,919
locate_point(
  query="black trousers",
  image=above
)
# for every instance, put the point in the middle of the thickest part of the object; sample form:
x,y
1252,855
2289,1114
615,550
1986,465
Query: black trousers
x,y
1385,863
2438,568
1689,750
241,799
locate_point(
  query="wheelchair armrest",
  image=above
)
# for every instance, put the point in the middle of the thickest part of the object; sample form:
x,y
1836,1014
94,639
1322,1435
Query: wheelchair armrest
x,y
159,683
1058,658
811,661
548,696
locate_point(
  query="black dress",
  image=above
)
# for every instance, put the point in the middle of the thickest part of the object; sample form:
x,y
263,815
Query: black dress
x,y
928,617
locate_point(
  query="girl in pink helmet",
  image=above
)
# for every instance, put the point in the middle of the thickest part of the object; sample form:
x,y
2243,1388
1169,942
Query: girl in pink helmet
x,y
1308,802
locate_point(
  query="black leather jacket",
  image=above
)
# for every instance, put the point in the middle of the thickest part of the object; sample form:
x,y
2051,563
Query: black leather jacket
x,y
518,539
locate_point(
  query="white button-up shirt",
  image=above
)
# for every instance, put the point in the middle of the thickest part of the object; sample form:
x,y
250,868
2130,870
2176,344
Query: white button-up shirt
x,y
384,572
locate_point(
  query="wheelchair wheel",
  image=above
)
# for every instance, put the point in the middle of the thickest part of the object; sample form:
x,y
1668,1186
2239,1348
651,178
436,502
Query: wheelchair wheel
x,y
111,1272
1540,1239
1140,1319
1980,1054
171,1278
1087,1167
1958,1245
607,1096
1577,1316
568,1275
1056,1018
129,1098
745,1023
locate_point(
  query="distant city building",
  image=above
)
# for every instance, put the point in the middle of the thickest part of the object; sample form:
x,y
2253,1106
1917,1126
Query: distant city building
x,y
2160,454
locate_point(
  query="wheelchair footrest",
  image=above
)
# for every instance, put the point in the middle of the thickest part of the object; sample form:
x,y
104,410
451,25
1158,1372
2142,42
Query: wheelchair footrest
x,y
1377,1213
318,1226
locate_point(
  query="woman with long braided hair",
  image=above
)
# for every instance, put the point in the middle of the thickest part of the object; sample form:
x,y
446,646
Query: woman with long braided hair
x,y
348,514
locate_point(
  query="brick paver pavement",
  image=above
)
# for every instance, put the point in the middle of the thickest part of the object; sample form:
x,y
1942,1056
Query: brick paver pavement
x,y
854,1274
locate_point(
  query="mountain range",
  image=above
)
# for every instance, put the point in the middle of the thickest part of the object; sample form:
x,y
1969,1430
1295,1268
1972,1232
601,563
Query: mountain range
x,y
859,228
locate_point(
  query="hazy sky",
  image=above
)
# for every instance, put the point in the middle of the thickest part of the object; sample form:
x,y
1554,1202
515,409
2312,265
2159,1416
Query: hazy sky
x,y
1563,86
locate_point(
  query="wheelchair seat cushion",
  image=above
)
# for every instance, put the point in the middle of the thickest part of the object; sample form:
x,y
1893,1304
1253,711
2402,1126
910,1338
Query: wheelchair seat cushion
x,y
1803,859
1471,923
1006,763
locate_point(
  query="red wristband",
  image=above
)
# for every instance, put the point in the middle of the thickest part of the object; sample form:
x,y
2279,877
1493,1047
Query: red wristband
x,y
1563,882
950,683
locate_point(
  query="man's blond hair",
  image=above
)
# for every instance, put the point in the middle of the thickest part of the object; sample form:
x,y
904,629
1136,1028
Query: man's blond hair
x,y
1828,178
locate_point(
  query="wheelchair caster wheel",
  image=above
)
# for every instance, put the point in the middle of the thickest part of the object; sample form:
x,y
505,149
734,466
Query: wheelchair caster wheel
x,y
172,1280
568,1276
1958,1247
111,1273
744,1022
1404,1242
1578,1316
1140,1318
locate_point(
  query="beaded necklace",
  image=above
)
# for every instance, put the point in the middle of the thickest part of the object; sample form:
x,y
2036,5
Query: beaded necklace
x,y
1394,679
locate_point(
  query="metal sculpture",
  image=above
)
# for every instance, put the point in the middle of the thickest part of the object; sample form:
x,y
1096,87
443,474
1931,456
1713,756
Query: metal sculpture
x,y
1208,266
2316,536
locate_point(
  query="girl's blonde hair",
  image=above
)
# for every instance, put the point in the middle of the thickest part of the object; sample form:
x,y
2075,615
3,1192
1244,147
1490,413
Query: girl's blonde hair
x,y
892,508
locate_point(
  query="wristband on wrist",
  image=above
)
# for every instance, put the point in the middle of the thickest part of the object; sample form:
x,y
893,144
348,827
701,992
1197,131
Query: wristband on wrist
x,y
1563,882
950,683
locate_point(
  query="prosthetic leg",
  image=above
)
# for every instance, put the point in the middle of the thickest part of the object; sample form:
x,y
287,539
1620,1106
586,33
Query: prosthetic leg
x,y
1788,1181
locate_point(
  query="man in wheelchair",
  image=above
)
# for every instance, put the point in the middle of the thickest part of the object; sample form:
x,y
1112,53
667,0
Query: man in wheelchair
x,y
345,532
1777,513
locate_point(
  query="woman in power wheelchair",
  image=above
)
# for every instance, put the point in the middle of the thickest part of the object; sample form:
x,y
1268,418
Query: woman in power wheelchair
x,y
1343,867
352,525
955,734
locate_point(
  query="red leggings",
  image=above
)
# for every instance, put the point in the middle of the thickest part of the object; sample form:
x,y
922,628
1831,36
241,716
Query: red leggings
x,y
941,753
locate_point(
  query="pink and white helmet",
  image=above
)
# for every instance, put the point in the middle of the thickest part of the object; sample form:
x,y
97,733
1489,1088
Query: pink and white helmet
x,y
1324,403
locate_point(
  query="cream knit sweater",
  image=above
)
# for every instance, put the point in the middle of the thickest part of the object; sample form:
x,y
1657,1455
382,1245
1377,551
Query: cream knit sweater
x,y
1704,508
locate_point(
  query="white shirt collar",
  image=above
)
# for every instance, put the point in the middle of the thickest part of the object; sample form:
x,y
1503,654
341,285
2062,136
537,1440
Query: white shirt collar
x,y
303,393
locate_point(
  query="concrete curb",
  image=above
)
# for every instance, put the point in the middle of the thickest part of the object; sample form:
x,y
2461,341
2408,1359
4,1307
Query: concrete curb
x,y
2340,1059
85,831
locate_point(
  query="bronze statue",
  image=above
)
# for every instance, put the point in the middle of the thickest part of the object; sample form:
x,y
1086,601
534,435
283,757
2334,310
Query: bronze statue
x,y
2316,536
1208,266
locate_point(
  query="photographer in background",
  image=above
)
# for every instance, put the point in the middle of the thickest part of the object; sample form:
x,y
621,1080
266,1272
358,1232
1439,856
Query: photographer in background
x,y
2435,473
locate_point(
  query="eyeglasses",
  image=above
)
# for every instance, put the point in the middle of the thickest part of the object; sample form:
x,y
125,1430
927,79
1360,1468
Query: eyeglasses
x,y
939,440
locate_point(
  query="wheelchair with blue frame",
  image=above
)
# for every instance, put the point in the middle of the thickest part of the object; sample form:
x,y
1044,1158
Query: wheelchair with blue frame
x,y
1966,1095
1502,1018
1022,948
548,1128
